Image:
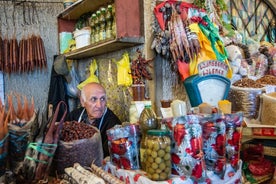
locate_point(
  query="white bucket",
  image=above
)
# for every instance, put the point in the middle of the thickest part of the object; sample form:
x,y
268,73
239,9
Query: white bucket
x,y
82,37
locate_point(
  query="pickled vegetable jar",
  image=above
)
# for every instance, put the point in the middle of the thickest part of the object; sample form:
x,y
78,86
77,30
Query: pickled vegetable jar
x,y
158,155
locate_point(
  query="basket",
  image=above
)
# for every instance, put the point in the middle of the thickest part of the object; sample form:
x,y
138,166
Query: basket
x,y
268,109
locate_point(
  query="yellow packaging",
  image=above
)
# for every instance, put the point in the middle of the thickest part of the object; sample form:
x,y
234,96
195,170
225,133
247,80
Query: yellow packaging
x,y
225,106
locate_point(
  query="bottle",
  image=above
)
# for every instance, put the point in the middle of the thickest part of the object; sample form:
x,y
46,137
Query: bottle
x,y
109,21
114,31
102,24
93,27
133,113
147,121
97,25
158,155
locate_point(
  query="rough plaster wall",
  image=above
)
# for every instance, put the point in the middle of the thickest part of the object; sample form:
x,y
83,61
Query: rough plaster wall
x,y
34,84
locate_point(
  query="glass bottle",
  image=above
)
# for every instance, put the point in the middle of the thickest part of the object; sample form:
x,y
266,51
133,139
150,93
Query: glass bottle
x,y
109,21
97,25
113,34
147,121
158,155
93,27
102,24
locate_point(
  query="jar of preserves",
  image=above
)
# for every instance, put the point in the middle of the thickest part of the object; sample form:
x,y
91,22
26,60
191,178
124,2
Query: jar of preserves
x,y
158,155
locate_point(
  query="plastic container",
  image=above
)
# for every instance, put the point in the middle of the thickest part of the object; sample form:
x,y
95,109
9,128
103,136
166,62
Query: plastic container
x,y
64,38
158,155
82,37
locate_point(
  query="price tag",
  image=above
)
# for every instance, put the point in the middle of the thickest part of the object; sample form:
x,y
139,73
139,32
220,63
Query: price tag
x,y
269,89
166,112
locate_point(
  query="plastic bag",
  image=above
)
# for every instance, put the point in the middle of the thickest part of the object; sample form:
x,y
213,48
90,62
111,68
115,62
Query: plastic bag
x,y
187,155
92,78
71,86
124,77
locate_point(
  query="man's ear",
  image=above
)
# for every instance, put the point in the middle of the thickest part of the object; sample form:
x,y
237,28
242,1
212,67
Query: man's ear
x,y
82,102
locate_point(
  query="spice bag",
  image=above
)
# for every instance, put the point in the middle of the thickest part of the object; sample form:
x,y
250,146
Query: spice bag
x,y
123,143
187,154
214,142
246,100
233,138
39,154
19,137
73,148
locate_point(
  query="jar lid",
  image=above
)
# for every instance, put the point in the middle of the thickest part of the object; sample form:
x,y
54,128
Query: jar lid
x,y
158,132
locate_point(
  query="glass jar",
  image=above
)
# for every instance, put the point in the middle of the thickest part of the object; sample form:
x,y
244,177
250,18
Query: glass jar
x,y
158,155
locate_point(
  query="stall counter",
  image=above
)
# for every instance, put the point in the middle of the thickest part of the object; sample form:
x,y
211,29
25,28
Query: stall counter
x,y
139,177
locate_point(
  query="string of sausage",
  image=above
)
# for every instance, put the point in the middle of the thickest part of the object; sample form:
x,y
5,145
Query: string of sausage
x,y
25,56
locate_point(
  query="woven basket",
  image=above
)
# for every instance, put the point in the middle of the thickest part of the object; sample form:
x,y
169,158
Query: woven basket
x,y
268,109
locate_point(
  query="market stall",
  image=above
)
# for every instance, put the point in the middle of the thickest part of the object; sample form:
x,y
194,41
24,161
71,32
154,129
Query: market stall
x,y
219,133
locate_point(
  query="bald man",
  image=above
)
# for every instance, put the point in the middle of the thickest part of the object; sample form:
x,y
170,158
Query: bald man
x,y
95,112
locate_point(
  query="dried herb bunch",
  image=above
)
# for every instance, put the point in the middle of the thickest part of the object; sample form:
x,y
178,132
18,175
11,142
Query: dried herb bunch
x,y
139,69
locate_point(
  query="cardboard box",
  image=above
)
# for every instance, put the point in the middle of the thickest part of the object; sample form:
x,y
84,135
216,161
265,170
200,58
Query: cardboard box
x,y
258,129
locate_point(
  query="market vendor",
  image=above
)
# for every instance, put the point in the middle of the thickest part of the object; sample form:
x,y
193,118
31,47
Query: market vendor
x,y
95,112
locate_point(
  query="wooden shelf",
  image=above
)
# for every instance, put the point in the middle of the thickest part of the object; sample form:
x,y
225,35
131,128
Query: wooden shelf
x,y
129,26
80,7
103,48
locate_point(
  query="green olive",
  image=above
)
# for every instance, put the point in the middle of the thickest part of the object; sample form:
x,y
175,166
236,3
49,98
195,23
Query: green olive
x,y
150,170
161,153
154,165
155,176
158,160
154,154
163,176
162,166
148,151
150,144
168,169
158,171
163,145
150,159
168,163
167,156
156,147
168,149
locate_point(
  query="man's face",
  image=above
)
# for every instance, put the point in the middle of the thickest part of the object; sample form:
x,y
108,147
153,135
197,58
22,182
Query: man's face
x,y
95,103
